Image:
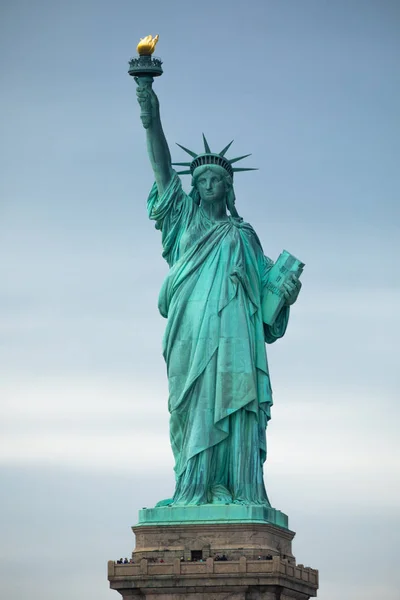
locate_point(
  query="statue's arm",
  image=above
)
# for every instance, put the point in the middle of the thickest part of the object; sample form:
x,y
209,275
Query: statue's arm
x,y
157,146
278,329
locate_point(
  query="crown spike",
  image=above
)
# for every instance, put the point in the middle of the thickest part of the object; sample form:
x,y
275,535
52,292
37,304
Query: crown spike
x,y
223,152
189,172
233,160
239,169
187,150
182,164
206,146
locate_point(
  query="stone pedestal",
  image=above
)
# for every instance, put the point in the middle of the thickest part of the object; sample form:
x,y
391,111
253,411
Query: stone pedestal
x,y
181,562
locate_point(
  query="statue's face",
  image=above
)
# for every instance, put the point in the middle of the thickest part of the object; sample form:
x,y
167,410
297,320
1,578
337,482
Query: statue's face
x,y
211,186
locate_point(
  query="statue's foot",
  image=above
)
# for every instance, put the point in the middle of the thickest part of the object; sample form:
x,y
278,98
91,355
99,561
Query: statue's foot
x,y
166,502
220,495
243,501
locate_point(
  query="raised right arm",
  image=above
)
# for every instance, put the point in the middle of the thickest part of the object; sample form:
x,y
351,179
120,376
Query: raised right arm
x,y
157,146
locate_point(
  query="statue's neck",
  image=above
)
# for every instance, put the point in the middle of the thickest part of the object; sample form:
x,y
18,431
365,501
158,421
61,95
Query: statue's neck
x,y
215,211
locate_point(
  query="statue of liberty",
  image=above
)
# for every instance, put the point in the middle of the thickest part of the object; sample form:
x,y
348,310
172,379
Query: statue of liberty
x,y
214,300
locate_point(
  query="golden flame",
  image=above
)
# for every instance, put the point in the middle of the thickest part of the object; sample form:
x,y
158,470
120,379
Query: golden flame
x,y
146,45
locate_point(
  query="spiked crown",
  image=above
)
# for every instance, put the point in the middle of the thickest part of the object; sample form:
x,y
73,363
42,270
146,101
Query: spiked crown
x,y
211,158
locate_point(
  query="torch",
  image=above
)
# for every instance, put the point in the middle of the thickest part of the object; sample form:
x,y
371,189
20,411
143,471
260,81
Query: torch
x,y
144,68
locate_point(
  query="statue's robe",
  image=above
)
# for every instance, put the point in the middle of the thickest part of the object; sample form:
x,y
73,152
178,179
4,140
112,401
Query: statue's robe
x,y
214,347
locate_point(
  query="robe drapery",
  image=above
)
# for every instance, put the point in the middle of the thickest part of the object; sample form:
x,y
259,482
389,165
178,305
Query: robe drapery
x,y
214,347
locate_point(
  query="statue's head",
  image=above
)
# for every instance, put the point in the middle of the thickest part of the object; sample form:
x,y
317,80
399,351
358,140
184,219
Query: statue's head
x,y
212,175
212,183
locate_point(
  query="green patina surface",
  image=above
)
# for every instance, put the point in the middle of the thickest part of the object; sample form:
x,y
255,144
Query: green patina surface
x,y
214,345
212,513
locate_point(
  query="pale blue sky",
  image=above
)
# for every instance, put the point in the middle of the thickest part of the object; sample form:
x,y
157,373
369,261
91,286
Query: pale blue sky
x,y
312,89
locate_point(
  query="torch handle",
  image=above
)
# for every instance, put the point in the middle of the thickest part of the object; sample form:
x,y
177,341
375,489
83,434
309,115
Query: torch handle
x,y
145,83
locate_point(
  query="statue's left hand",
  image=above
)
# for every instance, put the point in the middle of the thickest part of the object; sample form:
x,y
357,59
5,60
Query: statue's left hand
x,y
291,289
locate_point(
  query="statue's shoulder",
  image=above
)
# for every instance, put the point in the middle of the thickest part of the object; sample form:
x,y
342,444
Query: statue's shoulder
x,y
239,222
249,233
246,228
